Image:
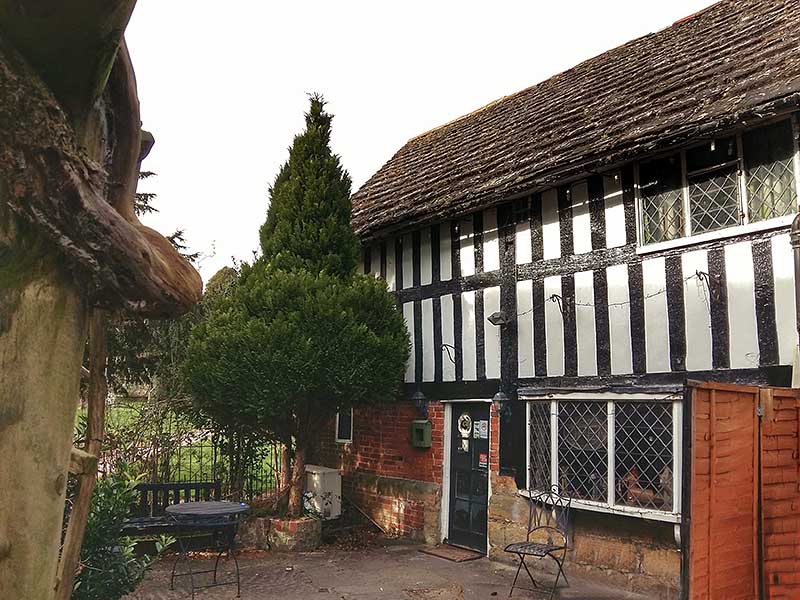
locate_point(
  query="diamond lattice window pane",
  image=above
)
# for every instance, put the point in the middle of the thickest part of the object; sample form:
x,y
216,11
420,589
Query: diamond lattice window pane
x,y
662,216
769,168
582,450
771,190
662,199
714,200
540,446
643,455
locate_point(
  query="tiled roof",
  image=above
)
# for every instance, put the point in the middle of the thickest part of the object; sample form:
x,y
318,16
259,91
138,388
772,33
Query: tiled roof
x,y
734,61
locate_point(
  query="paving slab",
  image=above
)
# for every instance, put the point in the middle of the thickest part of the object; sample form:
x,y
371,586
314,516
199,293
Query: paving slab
x,y
392,572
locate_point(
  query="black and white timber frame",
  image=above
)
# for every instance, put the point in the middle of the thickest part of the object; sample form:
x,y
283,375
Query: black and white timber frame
x,y
591,307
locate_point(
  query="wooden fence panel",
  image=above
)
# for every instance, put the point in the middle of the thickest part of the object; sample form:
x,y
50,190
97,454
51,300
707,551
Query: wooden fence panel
x,y
745,493
780,493
724,503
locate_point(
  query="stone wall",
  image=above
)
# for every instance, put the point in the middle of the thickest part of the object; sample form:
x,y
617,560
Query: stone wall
x,y
397,485
640,555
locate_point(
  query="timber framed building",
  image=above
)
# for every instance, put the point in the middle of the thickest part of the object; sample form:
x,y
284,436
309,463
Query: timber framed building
x,y
626,223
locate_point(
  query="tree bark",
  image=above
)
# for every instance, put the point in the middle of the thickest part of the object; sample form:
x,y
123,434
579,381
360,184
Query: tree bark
x,y
42,331
298,482
286,466
95,430
67,242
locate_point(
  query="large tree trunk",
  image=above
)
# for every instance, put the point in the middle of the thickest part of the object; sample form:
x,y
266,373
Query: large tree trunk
x,y
298,481
286,466
42,332
70,144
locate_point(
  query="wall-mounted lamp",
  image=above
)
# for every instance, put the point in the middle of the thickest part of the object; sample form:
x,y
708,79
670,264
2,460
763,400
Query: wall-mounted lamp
x,y
421,402
498,319
502,403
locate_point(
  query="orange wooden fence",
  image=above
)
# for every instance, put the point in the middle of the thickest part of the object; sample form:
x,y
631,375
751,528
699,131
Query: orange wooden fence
x,y
780,493
745,500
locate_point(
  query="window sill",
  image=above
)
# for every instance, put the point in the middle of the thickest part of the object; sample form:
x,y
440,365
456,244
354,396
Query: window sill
x,y
720,234
627,511
344,442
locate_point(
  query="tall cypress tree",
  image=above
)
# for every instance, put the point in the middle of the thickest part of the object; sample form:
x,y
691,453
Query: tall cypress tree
x,y
308,221
300,335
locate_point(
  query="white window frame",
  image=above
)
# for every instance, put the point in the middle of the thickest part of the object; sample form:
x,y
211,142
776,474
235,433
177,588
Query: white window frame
x,y
336,431
673,516
726,232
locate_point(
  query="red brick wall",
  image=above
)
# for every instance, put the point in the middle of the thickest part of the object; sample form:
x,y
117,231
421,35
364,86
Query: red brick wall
x,y
494,440
396,484
381,444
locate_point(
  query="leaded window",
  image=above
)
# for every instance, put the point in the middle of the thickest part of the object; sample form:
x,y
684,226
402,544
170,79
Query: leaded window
x,y
643,454
540,446
583,450
609,455
713,185
662,199
723,182
769,169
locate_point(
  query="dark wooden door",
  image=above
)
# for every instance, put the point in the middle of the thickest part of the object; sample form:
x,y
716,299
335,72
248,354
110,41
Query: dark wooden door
x,y
469,476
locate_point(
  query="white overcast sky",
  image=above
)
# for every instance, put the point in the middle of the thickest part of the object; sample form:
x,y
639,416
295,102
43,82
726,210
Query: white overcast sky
x,y
223,86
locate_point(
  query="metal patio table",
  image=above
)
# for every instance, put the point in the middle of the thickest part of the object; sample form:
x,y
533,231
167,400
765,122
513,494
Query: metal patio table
x,y
218,518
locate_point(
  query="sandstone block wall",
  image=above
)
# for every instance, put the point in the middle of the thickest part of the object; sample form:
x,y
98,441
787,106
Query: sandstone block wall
x,y
640,555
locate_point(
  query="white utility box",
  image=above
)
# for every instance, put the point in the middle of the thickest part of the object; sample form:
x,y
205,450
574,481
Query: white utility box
x,y
324,491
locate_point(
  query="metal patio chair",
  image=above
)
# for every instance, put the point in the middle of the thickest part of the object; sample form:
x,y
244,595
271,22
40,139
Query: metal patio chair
x,y
547,535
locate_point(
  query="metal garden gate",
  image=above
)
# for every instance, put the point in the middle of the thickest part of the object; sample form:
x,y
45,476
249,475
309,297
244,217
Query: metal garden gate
x,y
743,493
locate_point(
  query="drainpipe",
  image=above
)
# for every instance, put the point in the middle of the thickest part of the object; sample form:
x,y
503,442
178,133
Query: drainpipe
x,y
794,236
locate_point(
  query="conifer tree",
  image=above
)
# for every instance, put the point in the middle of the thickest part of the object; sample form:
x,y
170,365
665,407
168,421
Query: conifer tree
x,y
308,221
300,335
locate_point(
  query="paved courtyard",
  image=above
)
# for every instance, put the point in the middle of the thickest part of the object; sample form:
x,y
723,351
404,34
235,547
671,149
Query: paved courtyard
x,y
392,572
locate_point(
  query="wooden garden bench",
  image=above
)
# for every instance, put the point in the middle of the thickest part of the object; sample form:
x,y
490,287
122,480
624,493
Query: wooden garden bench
x,y
148,517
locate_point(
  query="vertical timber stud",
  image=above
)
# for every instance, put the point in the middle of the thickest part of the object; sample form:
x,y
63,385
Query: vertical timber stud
x,y
629,202
398,269
436,277
416,254
718,289
480,317
676,315
765,304
455,258
512,428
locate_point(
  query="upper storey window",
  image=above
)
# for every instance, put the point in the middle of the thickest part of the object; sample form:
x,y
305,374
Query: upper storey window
x,y
736,180
769,170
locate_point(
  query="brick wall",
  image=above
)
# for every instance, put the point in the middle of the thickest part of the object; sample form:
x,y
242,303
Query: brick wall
x,y
397,485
